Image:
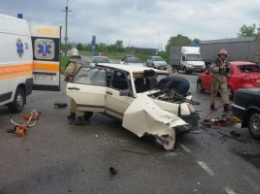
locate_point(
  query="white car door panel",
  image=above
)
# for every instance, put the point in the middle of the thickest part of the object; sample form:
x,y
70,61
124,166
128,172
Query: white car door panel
x,y
116,105
88,89
87,97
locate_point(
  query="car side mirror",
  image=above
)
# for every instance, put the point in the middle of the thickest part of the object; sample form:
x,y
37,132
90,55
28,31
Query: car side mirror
x,y
125,92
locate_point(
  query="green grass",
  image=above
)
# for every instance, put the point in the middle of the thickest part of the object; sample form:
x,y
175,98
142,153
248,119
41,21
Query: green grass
x,y
63,62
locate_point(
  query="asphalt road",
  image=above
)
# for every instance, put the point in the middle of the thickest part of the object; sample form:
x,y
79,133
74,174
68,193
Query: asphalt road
x,y
56,157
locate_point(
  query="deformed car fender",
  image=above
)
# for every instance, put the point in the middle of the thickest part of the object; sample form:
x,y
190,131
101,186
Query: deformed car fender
x,y
144,117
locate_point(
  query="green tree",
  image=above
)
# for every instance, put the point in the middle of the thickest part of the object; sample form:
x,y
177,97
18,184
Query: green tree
x,y
102,47
88,47
117,47
249,31
178,40
80,47
196,40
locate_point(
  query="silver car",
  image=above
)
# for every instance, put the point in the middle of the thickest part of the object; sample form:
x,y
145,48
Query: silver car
x,y
133,61
99,60
156,62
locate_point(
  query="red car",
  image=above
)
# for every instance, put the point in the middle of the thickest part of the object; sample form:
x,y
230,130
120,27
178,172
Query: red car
x,y
242,74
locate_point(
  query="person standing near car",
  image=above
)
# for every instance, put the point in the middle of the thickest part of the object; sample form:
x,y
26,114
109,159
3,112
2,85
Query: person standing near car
x,y
74,63
220,70
177,83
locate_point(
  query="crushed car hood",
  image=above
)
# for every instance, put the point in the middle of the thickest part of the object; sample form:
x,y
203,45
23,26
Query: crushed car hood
x,y
143,117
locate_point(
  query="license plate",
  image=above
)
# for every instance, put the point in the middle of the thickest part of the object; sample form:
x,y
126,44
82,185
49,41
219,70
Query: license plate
x,y
44,77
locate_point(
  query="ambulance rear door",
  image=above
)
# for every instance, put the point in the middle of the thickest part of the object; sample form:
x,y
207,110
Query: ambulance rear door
x,y
46,57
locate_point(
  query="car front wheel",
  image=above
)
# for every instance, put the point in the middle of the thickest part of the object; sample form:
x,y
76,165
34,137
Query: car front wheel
x,y
19,100
254,124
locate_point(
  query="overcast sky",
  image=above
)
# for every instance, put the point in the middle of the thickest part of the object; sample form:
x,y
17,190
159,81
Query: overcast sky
x,y
141,23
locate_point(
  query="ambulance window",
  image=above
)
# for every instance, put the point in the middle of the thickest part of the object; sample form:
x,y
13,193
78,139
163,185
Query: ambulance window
x,y
44,49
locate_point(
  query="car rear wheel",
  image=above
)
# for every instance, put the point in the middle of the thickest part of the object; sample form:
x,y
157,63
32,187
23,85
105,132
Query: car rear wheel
x,y
19,100
254,124
199,86
230,93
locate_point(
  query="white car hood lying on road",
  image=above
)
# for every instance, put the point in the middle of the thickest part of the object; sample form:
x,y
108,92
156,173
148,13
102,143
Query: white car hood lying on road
x,y
144,117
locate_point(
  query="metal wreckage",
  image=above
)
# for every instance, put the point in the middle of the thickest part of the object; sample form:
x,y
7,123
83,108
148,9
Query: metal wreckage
x,y
159,113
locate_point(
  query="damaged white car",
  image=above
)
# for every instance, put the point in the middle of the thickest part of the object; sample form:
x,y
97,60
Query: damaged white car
x,y
130,93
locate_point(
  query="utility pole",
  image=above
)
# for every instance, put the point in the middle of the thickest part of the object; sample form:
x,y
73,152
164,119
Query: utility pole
x,y
66,27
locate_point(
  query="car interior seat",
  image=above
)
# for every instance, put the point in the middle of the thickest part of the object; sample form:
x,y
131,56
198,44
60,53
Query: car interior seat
x,y
139,85
150,79
120,82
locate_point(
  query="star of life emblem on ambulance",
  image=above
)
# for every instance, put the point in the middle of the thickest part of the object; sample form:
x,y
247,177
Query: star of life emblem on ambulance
x,y
44,49
19,47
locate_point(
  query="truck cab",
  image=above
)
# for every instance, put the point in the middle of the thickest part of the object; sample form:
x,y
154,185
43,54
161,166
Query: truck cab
x,y
191,62
187,58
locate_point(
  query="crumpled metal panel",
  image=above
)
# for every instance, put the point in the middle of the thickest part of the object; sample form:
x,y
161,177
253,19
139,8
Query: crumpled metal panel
x,y
144,117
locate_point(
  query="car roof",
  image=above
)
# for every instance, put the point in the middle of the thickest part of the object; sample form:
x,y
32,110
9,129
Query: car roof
x,y
131,68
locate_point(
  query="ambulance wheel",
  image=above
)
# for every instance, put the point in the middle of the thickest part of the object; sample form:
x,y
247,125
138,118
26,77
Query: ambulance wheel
x,y
19,100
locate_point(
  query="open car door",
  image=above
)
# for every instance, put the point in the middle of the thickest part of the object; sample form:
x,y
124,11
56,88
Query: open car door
x,y
46,57
88,89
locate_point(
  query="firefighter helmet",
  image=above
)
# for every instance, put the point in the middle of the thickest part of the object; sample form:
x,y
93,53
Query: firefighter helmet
x,y
73,53
222,52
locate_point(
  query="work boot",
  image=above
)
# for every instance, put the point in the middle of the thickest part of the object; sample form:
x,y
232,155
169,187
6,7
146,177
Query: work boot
x,y
79,121
72,116
212,107
226,108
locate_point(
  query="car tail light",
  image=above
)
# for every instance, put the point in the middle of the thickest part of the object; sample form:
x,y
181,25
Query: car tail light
x,y
246,79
